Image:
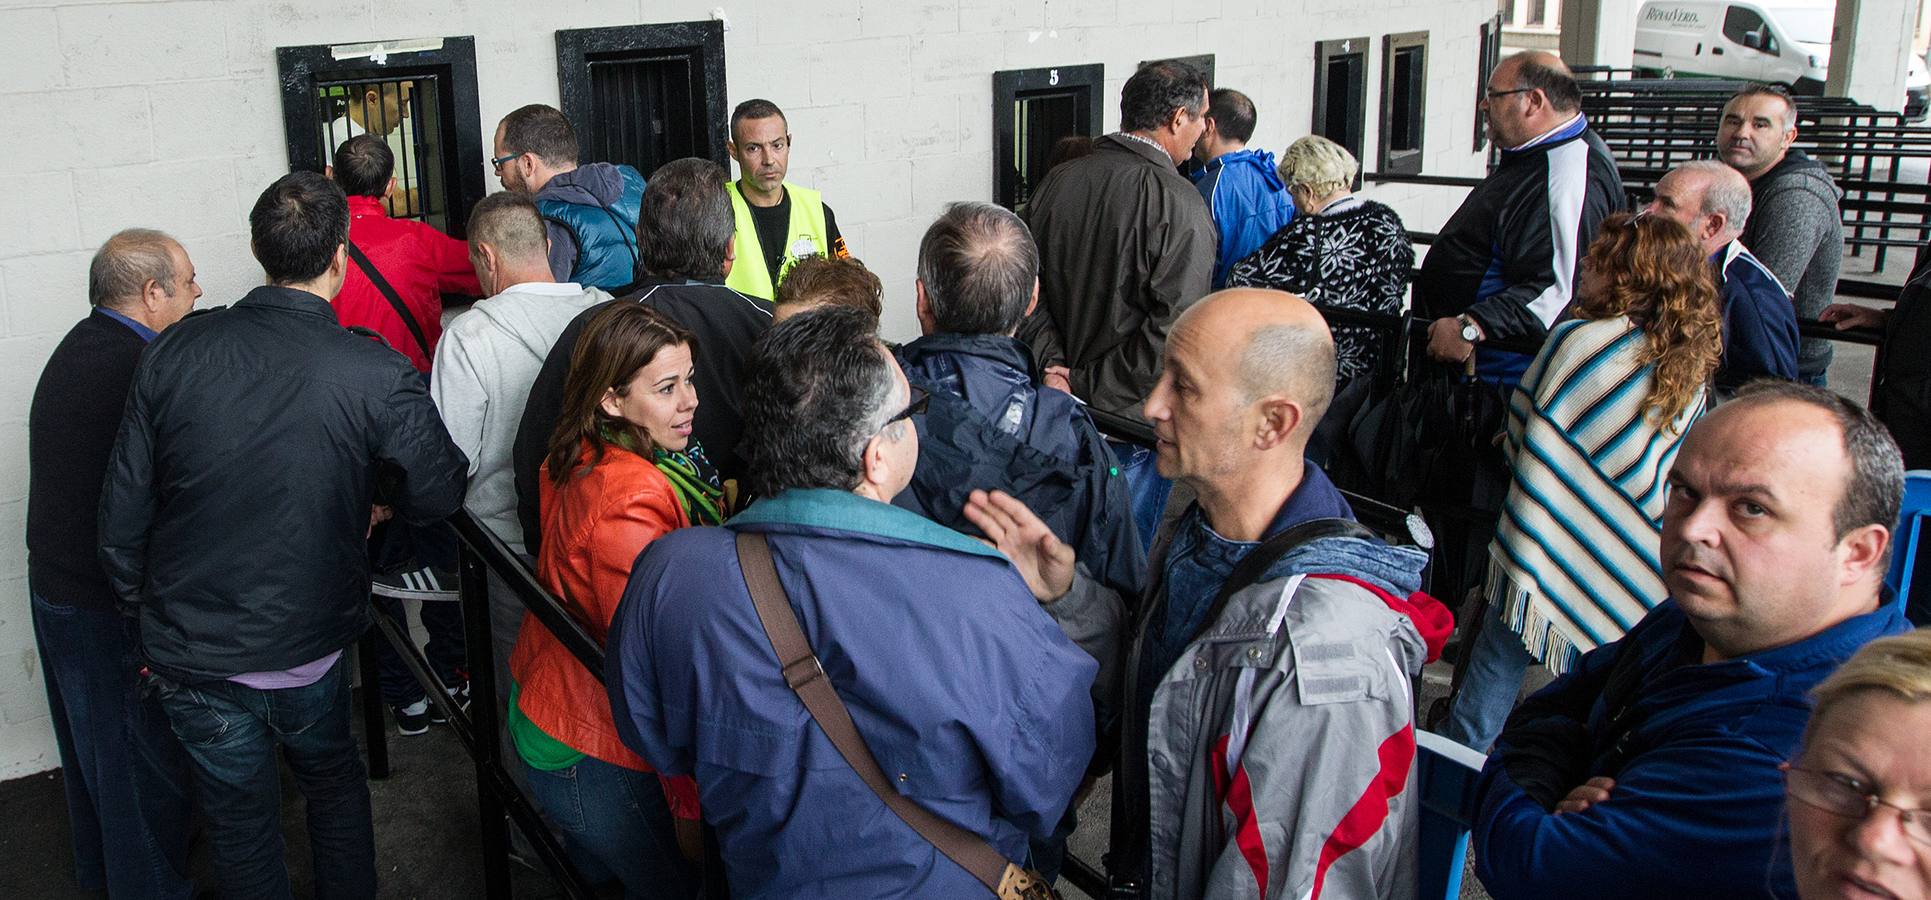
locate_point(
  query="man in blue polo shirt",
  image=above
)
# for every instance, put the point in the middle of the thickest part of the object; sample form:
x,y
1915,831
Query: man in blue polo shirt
x,y
1656,759
1759,320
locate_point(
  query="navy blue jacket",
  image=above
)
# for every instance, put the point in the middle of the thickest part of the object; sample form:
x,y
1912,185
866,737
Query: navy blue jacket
x,y
1697,809
964,689
1249,203
1759,320
992,426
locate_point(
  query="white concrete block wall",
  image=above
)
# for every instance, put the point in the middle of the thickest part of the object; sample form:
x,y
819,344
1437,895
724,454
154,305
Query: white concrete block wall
x,y
166,114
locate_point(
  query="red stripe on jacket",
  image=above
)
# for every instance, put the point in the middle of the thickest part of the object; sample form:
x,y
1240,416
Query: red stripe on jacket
x,y
1370,811
1237,793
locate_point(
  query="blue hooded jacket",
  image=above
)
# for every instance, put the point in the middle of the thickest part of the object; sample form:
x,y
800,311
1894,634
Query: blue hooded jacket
x,y
1248,201
963,687
1697,808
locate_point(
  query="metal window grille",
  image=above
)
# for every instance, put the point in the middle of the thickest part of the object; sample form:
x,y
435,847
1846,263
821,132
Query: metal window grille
x,y
405,114
1404,92
1489,46
419,94
643,95
1032,111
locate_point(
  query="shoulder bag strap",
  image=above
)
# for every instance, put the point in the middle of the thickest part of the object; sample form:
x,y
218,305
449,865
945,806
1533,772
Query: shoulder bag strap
x,y
806,677
389,293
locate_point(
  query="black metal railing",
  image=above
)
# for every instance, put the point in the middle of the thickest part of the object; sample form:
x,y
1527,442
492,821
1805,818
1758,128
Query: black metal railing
x,y
480,728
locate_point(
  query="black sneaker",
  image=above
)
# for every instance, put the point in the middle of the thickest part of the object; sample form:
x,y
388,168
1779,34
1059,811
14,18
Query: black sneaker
x,y
412,719
458,697
426,583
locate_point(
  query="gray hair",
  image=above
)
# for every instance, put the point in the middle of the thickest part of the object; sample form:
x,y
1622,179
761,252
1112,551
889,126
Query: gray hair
x,y
685,224
1725,192
1295,360
1875,490
978,263
126,263
509,221
1321,165
817,388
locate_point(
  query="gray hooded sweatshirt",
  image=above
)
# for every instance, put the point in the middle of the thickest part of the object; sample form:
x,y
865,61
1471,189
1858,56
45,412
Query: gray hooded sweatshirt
x,y
1797,231
481,378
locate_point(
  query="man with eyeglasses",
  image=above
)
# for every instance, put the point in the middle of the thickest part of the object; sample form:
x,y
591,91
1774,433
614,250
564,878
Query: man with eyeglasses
x,y
1652,768
589,210
973,703
778,223
1504,267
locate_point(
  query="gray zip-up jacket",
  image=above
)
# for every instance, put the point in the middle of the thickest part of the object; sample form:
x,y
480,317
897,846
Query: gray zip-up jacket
x,y
1279,748
1797,231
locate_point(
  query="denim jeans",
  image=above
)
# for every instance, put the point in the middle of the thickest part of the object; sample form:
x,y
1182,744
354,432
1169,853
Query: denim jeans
x,y
1139,465
616,825
1491,680
126,776
231,732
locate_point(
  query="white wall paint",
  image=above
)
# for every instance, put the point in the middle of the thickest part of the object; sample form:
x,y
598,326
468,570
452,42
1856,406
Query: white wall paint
x,y
166,114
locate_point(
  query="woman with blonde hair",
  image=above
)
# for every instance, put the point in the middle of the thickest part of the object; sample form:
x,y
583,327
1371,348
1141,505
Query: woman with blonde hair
x,y
622,471
1338,251
1592,432
1859,791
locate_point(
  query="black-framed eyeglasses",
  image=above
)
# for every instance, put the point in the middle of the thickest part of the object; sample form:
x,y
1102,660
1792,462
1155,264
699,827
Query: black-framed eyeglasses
x,y
1494,94
1842,795
498,162
920,399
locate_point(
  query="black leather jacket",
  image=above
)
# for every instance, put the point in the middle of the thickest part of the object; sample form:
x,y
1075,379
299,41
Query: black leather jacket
x,y
235,514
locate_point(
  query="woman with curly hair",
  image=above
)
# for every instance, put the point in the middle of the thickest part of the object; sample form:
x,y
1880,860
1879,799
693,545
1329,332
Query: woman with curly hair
x,y
1592,432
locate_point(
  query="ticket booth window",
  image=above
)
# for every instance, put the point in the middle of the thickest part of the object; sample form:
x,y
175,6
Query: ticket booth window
x,y
1404,92
1033,110
1341,91
643,95
418,94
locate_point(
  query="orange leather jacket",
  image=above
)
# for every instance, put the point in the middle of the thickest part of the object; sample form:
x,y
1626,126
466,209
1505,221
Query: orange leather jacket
x,y
593,529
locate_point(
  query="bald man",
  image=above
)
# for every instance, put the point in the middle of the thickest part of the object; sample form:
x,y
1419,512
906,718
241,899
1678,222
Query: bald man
x,y
1713,201
1270,701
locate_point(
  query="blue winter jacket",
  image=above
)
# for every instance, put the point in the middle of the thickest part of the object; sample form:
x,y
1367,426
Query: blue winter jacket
x,y
1249,203
1697,808
966,691
590,214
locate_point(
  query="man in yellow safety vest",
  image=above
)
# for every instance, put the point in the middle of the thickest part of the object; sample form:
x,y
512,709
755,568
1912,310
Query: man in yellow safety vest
x,y
778,223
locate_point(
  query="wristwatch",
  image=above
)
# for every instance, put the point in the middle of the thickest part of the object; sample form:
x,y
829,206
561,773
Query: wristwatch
x,y
1470,331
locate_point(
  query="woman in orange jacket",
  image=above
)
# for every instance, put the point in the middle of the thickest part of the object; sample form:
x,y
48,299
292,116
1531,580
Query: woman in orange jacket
x,y
622,471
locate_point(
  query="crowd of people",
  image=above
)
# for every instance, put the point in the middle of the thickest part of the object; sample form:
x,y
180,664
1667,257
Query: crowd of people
x,y
876,616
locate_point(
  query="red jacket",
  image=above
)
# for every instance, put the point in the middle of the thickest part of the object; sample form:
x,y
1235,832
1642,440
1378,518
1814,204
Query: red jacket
x,y
593,529
420,262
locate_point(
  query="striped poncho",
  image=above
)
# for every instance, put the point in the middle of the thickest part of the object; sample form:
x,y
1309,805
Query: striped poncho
x,y
1574,561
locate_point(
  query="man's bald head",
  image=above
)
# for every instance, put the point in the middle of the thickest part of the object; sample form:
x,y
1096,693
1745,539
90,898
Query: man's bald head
x,y
1284,344
1546,72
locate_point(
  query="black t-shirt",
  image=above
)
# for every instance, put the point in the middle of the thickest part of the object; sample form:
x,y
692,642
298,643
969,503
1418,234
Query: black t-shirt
x,y
773,224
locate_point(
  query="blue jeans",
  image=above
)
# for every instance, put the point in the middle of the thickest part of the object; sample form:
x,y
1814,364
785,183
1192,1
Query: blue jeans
x,y
231,732
125,774
1139,465
1491,680
615,824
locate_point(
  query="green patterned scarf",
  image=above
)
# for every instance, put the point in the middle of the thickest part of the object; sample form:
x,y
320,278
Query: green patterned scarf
x,y
695,480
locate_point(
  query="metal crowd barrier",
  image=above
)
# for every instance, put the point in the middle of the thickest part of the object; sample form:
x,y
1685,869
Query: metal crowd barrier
x,y
480,729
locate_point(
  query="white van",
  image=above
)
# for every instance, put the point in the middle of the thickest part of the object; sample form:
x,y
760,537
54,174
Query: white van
x,y
1786,41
